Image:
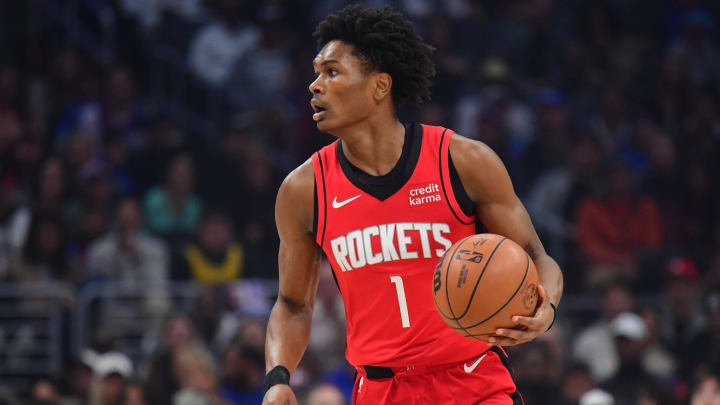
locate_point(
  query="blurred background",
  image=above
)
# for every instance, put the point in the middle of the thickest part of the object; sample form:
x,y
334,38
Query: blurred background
x,y
142,143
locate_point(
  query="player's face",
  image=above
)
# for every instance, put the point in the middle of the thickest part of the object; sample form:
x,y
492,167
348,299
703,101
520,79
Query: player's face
x,y
343,90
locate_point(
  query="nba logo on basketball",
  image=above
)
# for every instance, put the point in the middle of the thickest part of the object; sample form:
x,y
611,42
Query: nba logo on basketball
x,y
423,194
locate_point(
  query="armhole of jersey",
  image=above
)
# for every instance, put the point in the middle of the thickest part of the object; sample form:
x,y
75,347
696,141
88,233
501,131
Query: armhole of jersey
x,y
320,199
447,182
315,209
463,199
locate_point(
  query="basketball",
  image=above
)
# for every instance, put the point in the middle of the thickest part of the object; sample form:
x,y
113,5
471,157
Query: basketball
x,y
481,282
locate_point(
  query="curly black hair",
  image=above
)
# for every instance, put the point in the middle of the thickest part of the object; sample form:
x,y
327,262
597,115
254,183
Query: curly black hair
x,y
385,41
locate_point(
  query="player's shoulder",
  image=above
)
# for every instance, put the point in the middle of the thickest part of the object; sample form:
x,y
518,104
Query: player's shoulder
x,y
296,194
463,148
480,169
457,141
299,182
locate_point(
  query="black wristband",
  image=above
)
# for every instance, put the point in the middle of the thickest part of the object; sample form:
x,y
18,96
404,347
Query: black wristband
x,y
278,375
554,315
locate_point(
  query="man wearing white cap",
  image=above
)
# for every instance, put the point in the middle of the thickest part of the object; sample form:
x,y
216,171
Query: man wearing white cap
x,y
631,335
597,397
112,371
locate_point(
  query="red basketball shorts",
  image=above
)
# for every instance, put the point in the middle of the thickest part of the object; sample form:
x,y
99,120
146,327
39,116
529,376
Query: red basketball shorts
x,y
486,379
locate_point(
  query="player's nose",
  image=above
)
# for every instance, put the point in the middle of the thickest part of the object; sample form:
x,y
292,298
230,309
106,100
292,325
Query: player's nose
x,y
315,87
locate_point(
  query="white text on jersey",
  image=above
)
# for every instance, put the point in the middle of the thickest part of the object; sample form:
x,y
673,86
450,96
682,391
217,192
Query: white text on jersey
x,y
355,249
424,194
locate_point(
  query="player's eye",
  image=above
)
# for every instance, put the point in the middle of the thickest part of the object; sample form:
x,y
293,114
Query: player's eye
x,y
332,72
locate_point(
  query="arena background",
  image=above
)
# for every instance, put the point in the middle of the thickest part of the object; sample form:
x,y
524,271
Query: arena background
x,y
142,143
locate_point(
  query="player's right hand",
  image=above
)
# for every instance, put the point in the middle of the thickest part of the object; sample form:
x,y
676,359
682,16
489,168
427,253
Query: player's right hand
x,y
280,394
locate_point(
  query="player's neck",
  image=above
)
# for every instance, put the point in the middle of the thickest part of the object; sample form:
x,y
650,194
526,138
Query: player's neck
x,y
374,146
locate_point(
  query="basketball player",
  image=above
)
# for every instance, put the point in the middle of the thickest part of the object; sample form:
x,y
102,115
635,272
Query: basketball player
x,y
384,202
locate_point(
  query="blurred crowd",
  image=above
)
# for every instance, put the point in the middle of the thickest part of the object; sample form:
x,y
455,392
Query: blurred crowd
x,y
606,113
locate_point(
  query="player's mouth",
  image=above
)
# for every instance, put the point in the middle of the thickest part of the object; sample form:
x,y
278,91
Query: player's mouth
x,y
319,108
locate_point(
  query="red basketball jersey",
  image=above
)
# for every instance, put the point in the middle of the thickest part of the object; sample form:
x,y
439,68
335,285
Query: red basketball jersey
x,y
384,241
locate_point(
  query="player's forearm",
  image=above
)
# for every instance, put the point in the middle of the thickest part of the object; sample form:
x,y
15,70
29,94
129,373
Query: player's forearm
x,y
551,277
288,334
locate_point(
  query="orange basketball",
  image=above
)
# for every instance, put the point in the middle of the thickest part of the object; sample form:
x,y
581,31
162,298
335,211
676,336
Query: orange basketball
x,y
481,282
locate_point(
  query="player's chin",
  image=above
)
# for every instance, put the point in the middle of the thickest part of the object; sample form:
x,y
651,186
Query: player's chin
x,y
325,125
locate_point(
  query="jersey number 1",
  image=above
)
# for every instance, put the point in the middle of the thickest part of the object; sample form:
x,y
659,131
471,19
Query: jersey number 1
x,y
397,280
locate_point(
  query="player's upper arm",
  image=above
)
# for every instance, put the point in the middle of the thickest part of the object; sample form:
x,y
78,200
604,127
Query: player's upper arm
x,y
299,255
488,184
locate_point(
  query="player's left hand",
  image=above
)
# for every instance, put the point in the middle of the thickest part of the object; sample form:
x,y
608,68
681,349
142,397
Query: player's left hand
x,y
528,328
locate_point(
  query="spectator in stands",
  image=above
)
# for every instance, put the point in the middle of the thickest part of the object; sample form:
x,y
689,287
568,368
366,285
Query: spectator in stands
x,y
44,257
95,192
537,372
700,143
260,75
51,189
669,89
697,48
706,391
685,318
112,371
77,378
611,125
704,348
594,346
663,183
15,222
162,382
218,46
118,169
631,378
172,210
163,139
451,67
576,381
554,197
657,358
45,392
21,163
549,148
126,253
197,373
215,323
325,394
122,112
328,321
495,114
9,88
69,68
597,396
215,257
698,214
242,372
134,395
259,233
617,226
82,115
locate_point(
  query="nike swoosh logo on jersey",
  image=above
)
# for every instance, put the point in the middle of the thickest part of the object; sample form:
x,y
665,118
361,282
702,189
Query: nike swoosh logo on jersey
x,y
337,204
472,368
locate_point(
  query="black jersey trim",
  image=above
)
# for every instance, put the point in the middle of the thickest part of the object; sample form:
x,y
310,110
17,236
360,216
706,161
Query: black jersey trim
x,y
442,180
467,206
382,187
322,174
515,396
315,210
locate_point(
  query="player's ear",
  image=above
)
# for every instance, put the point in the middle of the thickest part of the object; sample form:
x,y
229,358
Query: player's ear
x,y
383,84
